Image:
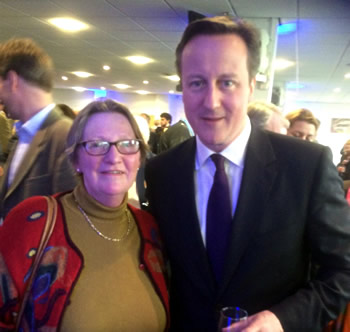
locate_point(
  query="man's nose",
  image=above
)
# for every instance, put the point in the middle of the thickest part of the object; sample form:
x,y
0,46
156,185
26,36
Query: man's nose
x,y
212,98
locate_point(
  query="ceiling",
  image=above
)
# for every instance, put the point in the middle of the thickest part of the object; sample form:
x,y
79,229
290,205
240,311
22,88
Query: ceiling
x,y
120,28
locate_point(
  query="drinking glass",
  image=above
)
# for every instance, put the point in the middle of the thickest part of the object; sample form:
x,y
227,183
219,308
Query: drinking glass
x,y
230,315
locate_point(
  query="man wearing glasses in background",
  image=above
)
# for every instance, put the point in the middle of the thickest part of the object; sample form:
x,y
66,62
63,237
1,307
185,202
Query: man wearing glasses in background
x,y
245,213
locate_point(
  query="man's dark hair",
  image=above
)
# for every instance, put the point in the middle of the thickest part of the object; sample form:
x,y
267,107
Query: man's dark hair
x,y
166,116
223,25
29,61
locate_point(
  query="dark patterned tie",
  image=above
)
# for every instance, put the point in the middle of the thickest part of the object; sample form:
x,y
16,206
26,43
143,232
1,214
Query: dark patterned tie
x,y
219,217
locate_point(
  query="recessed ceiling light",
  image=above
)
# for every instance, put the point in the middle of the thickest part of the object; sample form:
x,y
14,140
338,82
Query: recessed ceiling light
x,y
78,88
347,75
171,91
68,24
142,92
280,64
337,90
82,74
173,78
65,78
145,82
121,86
106,67
139,60
102,88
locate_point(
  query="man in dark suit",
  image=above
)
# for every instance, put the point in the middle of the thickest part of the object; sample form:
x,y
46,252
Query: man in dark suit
x,y
175,135
286,257
37,164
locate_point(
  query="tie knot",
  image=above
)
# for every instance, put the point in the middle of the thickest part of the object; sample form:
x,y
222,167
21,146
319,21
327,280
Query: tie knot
x,y
218,160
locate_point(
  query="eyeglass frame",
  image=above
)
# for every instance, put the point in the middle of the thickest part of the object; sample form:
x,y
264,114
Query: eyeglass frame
x,y
110,145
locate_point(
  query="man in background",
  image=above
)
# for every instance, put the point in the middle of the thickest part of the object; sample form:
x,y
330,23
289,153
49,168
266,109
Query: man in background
x,y
165,122
176,134
267,116
303,125
244,213
37,164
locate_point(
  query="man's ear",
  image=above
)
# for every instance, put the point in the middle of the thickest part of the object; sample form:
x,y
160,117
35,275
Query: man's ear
x,y
252,87
12,80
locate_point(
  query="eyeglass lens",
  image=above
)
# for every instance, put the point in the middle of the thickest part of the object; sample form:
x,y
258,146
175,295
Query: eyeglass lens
x,y
102,147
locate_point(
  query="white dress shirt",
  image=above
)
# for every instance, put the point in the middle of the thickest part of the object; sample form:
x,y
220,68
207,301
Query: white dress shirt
x,y
26,132
205,171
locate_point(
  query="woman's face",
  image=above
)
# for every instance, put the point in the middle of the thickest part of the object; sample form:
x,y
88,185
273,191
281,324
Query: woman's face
x,y
108,177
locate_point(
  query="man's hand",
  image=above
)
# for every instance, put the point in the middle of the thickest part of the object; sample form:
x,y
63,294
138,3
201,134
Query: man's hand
x,y
264,321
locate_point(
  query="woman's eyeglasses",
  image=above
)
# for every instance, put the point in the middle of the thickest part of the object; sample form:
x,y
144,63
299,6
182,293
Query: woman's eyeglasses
x,y
99,148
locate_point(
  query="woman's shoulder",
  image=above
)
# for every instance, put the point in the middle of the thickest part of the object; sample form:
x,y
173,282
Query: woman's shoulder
x,y
31,209
147,224
142,215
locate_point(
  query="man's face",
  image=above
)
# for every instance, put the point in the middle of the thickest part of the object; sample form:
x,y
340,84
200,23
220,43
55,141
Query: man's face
x,y
216,88
303,130
7,99
164,122
277,123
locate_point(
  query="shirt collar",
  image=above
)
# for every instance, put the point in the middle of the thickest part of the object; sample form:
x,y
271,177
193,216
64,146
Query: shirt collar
x,y
235,152
32,125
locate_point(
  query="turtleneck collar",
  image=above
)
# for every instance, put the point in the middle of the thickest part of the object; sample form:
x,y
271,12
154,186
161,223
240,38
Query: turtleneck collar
x,y
95,209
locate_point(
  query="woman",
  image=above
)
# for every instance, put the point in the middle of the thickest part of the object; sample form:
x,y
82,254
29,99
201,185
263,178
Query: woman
x,y
102,269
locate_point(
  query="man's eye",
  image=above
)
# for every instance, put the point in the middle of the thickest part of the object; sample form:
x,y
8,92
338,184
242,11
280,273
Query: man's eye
x,y
228,83
196,84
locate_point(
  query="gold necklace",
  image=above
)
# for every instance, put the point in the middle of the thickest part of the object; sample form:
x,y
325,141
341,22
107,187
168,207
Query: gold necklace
x,y
100,233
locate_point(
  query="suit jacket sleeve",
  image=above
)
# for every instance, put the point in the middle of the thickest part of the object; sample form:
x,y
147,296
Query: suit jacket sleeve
x,y
328,235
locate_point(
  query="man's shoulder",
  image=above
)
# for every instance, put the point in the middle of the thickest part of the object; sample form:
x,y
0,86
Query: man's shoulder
x,y
285,144
185,149
57,123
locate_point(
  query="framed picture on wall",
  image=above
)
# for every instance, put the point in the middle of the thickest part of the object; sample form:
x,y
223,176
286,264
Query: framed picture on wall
x,y
340,125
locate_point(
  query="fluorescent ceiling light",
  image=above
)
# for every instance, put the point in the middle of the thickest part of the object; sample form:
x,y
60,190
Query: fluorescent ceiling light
x,y
65,78
171,91
78,88
347,75
173,78
68,24
142,92
284,29
82,74
294,85
102,88
106,67
145,82
121,86
139,60
280,64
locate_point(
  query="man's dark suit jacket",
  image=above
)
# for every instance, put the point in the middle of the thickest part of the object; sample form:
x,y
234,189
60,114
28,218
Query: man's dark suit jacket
x,y
291,208
44,169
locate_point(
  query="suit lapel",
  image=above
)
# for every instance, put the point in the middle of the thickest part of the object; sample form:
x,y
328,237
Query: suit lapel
x,y
190,245
258,177
4,179
34,149
28,160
